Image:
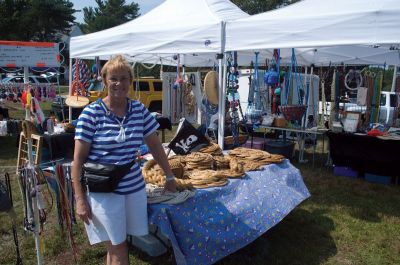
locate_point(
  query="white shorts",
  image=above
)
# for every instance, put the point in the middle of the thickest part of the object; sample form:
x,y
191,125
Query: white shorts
x,y
114,216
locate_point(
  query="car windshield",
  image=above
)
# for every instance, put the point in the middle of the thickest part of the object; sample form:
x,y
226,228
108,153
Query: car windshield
x,y
393,101
41,79
383,99
5,80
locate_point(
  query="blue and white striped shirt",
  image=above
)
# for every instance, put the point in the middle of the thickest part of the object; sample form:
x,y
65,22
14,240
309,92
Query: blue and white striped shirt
x,y
98,126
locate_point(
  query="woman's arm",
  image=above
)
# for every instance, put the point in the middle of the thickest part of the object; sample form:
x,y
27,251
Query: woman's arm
x,y
157,150
81,152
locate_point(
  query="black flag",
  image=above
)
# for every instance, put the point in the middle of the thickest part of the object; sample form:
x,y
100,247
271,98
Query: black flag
x,y
187,139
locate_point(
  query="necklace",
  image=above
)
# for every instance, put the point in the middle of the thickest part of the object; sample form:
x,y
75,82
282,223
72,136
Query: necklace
x,y
121,136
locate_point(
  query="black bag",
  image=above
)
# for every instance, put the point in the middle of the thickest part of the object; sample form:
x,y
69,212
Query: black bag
x,y
104,177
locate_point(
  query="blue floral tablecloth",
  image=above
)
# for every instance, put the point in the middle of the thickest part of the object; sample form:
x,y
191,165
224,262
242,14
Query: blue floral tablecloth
x,y
219,221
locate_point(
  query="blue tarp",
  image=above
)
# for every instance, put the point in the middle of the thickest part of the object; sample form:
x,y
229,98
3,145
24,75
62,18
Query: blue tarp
x,y
219,221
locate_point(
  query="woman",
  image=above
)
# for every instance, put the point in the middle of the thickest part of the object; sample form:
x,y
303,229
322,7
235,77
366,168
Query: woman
x,y
111,130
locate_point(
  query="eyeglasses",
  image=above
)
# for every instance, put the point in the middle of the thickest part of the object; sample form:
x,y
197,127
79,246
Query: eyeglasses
x,y
114,80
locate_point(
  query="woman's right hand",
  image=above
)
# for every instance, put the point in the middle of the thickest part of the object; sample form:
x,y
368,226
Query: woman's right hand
x,y
83,209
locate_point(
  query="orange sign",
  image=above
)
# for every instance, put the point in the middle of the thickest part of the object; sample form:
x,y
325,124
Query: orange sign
x,y
20,54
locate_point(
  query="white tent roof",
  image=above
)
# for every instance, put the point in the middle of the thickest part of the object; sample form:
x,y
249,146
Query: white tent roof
x,y
183,27
315,23
175,26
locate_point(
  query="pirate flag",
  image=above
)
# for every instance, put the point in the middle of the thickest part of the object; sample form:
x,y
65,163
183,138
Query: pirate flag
x,y
187,139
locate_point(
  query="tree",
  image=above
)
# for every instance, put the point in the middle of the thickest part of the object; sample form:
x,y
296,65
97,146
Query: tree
x,y
108,14
37,20
258,6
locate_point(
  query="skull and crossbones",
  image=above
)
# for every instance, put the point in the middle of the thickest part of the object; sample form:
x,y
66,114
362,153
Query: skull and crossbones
x,y
185,145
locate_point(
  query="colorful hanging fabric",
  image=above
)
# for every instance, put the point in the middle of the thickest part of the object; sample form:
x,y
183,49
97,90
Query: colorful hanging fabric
x,y
81,76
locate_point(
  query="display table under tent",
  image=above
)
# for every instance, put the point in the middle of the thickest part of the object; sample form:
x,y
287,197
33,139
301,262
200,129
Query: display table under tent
x,y
218,221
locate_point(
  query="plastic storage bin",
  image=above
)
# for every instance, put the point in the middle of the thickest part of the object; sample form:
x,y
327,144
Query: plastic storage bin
x,y
258,143
284,148
148,243
154,244
386,180
345,171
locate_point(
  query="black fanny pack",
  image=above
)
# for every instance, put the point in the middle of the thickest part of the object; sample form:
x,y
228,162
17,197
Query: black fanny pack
x,y
104,177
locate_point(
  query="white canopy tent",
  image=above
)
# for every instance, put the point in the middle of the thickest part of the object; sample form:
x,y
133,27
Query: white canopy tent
x,y
316,23
323,23
175,26
197,29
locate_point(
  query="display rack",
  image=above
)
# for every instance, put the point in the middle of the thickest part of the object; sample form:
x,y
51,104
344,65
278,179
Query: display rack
x,y
300,135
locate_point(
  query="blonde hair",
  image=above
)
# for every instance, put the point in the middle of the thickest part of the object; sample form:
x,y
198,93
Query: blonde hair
x,y
116,63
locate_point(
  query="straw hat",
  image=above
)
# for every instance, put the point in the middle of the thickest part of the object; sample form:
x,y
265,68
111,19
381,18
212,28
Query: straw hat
x,y
77,101
211,87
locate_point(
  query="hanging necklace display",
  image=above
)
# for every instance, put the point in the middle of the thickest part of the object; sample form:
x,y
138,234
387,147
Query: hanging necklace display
x,y
325,118
176,101
376,98
233,97
293,111
254,109
272,81
369,83
333,110
188,98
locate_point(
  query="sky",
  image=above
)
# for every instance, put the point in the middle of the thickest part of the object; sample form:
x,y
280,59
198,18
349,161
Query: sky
x,y
145,6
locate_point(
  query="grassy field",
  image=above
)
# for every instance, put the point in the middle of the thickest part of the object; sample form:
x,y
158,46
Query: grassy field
x,y
345,221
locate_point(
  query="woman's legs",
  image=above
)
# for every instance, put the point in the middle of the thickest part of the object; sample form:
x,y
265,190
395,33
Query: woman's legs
x,y
117,254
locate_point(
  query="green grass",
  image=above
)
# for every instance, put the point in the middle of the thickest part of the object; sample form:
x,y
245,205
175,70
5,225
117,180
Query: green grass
x,y
345,221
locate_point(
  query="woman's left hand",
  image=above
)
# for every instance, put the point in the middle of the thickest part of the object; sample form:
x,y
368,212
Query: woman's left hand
x,y
170,186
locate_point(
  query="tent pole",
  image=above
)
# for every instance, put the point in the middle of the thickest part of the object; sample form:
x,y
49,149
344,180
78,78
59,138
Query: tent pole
x,y
70,89
32,183
393,89
161,69
221,89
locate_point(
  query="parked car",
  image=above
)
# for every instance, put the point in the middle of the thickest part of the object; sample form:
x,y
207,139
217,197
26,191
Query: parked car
x,y
51,76
389,102
149,93
35,79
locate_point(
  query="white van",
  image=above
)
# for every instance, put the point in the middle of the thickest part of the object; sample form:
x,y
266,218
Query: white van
x,y
387,107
